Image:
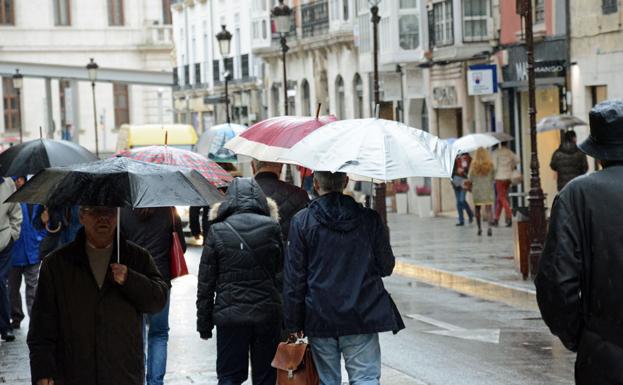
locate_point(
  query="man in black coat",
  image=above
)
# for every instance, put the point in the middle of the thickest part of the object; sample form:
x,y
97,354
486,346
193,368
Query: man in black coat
x,y
290,199
333,290
579,281
568,161
87,317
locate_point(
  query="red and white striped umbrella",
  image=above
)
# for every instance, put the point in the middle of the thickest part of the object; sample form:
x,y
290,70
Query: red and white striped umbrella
x,y
269,139
210,170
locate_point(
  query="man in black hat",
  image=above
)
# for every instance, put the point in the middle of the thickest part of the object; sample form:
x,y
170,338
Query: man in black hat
x,y
579,282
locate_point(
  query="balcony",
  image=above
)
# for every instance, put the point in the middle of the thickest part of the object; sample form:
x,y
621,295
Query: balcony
x,y
315,18
157,35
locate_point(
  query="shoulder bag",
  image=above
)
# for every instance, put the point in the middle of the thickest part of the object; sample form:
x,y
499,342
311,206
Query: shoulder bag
x,y
177,261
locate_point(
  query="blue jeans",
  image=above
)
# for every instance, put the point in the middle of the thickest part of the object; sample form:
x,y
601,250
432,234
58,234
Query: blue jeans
x,y
5,305
461,204
362,355
157,339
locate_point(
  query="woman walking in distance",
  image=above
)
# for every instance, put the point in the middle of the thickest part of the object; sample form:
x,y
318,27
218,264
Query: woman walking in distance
x,y
481,175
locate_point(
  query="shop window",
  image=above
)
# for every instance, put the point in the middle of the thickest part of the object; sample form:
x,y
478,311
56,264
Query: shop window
x,y
12,105
61,12
122,105
443,27
115,12
409,32
7,12
539,11
167,18
475,16
609,6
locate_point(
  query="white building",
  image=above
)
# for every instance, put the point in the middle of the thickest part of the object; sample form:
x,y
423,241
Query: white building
x,y
118,34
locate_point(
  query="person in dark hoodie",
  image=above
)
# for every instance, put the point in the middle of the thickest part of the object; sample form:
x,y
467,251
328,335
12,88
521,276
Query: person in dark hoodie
x,y
568,161
337,254
240,262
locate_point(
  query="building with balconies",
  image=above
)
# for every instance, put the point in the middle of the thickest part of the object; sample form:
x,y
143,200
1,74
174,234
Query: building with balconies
x,y
126,35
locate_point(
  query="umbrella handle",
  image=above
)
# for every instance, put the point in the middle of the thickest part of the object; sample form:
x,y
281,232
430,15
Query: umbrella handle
x,y
318,110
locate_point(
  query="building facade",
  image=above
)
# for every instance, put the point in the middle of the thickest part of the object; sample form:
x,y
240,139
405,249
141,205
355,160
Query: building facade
x,y
117,34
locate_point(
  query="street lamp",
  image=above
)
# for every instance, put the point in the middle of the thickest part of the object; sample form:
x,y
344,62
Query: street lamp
x,y
18,83
92,68
535,197
224,46
281,14
379,196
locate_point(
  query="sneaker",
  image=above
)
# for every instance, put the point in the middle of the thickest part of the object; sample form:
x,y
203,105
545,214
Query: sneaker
x,y
8,336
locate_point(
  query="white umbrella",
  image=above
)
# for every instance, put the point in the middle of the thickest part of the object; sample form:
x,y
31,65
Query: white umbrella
x,y
472,142
559,122
374,148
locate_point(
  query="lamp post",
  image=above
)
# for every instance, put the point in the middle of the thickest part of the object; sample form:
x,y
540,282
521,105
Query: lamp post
x,y
281,14
224,46
18,83
535,197
92,68
379,188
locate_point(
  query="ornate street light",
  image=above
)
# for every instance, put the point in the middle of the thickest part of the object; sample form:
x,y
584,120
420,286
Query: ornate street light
x,y
224,46
92,68
18,83
283,23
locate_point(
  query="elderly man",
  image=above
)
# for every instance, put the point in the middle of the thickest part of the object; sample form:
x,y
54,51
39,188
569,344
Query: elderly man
x,y
578,284
86,324
337,254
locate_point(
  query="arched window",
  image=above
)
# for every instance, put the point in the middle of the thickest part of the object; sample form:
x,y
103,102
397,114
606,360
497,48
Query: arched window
x,y
274,91
305,101
358,96
339,98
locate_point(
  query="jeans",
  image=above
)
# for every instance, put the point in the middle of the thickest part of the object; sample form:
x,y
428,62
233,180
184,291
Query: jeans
x,y
232,358
5,305
362,355
157,339
461,204
31,278
501,186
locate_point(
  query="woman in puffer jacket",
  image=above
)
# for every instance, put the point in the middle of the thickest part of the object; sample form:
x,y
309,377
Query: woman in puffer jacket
x,y
238,288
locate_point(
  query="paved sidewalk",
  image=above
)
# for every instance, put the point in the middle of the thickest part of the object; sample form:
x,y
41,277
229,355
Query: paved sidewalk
x,y
435,251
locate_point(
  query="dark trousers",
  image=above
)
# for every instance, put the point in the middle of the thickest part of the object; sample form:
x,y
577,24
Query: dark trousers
x,y
5,307
233,344
31,277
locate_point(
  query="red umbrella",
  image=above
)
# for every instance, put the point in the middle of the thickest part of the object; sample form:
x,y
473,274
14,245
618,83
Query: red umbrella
x,y
270,138
210,170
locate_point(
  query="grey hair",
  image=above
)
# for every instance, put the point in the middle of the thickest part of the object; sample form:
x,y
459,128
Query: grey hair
x,y
330,181
260,164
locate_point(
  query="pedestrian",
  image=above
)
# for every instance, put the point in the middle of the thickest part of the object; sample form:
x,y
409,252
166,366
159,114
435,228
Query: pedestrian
x,y
152,228
505,163
578,283
289,198
240,262
337,254
459,175
25,261
481,178
61,227
568,161
87,318
10,222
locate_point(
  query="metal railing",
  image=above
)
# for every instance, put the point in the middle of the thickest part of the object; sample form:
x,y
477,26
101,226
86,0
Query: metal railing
x,y
315,18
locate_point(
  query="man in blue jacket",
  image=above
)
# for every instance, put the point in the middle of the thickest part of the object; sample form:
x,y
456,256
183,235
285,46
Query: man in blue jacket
x,y
337,253
25,261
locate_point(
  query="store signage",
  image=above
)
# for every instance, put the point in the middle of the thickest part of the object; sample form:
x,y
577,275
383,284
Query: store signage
x,y
445,96
543,69
482,79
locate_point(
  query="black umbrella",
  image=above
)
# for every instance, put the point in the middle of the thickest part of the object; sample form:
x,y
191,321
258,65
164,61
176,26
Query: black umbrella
x,y
118,182
33,156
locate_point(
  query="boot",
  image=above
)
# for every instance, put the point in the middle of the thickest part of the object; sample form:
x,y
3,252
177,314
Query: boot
x,y
479,232
489,232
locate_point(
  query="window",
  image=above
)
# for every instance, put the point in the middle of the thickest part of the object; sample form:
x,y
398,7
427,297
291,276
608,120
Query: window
x,y
197,73
216,71
62,12
115,12
475,15
186,74
358,88
167,18
345,10
306,102
364,33
609,6
339,98
409,31
244,63
443,28
539,11
406,4
7,13
176,76
120,99
264,32
12,105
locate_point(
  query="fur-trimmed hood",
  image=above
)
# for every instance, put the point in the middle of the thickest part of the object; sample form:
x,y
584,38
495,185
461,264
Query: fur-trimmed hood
x,y
244,195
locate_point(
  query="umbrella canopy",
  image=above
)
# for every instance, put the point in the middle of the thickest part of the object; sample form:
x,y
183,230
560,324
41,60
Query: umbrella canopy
x,y
33,156
374,148
501,136
472,142
214,173
212,142
118,182
270,139
559,122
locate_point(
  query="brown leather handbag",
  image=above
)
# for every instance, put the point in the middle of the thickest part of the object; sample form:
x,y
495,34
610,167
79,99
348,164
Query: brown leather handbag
x,y
295,365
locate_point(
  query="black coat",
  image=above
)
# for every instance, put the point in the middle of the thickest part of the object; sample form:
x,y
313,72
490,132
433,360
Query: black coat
x,y
245,293
80,334
290,199
569,162
337,253
579,281
154,233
